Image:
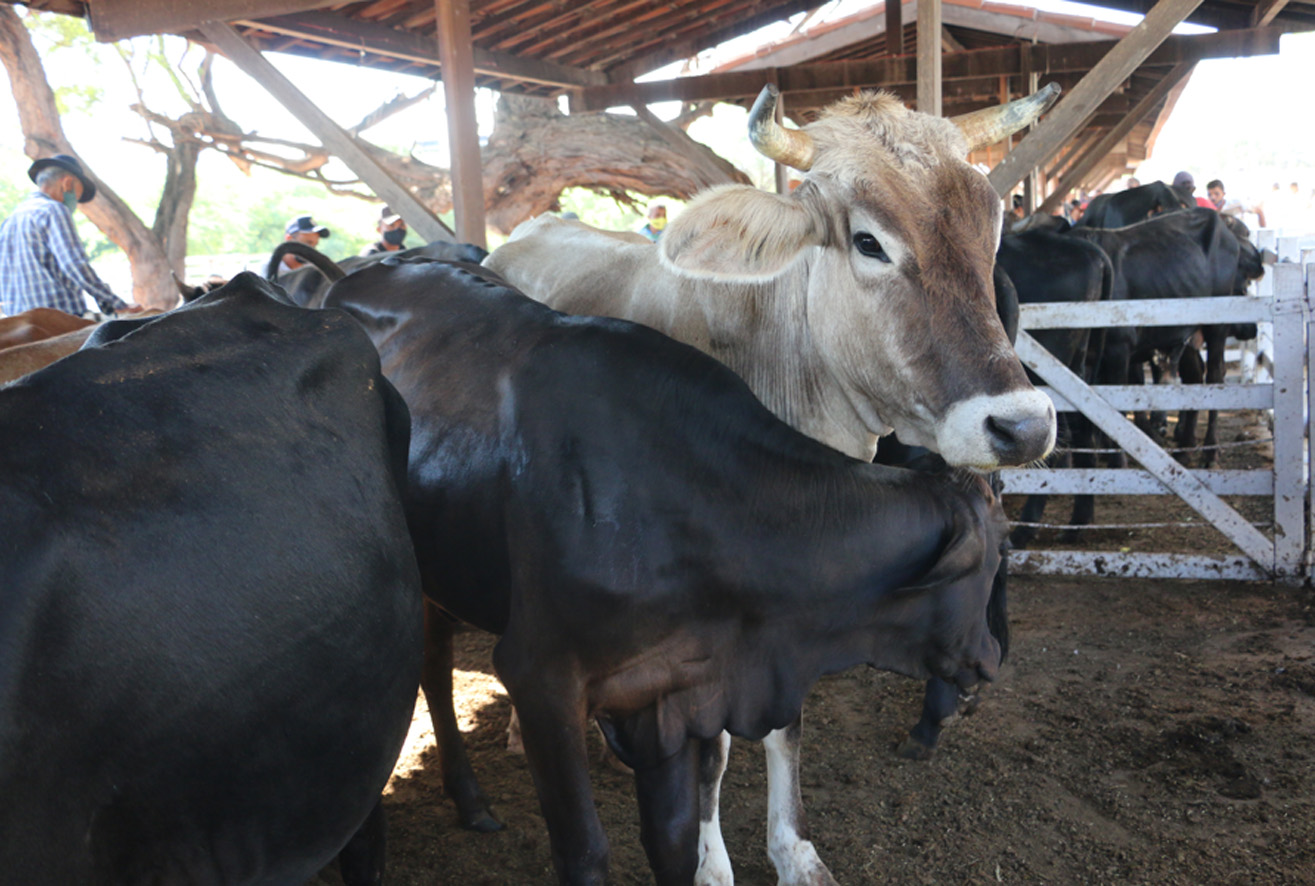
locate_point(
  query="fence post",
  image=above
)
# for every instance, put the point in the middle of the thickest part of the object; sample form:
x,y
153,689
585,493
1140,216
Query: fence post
x,y
1291,317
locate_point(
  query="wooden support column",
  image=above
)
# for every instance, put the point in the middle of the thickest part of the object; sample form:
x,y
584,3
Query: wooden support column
x,y
1084,98
929,57
894,28
456,55
1092,156
248,58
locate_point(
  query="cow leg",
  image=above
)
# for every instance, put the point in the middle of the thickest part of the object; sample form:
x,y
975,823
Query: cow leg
x,y
1191,370
940,703
436,680
552,714
788,846
1216,338
1083,436
714,860
361,861
668,796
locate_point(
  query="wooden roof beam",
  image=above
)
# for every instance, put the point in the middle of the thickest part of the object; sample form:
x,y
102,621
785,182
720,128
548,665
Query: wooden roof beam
x,y
339,30
902,70
1266,11
116,19
1117,65
331,135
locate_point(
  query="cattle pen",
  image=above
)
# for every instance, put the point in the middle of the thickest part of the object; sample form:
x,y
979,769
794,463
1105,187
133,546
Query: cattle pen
x,y
1281,299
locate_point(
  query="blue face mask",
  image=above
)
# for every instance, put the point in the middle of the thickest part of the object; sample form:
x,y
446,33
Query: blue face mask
x,y
71,200
395,237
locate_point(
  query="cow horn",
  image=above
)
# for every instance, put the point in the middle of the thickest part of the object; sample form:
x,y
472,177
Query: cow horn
x,y
790,147
990,125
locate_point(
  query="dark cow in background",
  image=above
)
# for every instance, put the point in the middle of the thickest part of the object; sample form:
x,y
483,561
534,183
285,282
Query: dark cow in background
x,y
1188,254
1122,208
210,618
655,548
306,286
1045,265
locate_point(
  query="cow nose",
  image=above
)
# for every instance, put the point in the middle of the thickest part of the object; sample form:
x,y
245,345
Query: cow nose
x,y
1017,441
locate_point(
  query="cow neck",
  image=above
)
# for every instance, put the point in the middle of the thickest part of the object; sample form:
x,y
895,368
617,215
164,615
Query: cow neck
x,y
762,334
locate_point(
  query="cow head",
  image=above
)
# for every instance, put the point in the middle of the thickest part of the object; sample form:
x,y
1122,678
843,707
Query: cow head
x,y
895,235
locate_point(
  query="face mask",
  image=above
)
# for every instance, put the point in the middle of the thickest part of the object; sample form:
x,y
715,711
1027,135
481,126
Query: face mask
x,y
71,200
395,237
657,224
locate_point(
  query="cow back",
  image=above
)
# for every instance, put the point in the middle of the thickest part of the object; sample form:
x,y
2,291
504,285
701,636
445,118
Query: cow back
x,y
209,632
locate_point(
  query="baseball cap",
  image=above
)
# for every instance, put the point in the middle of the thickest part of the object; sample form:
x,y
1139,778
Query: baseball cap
x,y
387,216
304,224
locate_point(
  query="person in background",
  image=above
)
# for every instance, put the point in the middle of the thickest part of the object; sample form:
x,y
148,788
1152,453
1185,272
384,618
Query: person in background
x,y
42,261
657,220
1231,205
392,233
1185,185
302,229
1132,183
1018,211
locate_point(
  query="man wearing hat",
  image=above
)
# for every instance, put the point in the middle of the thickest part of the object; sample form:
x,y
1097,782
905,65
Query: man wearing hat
x,y
42,261
1185,185
392,233
303,230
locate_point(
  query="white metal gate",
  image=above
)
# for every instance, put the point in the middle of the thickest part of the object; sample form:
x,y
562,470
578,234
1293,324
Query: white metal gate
x,y
1285,300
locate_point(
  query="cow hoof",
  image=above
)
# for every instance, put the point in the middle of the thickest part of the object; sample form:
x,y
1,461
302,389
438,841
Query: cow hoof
x,y
969,705
484,823
912,749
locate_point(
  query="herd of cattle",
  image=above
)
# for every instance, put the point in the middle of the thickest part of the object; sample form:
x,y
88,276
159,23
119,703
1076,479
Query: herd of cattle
x,y
235,537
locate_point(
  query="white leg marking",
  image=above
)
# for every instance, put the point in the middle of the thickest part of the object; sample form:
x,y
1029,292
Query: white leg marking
x,y
714,860
796,861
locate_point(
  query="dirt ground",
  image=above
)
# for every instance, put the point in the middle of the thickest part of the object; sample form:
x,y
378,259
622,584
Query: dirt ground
x,y
1142,732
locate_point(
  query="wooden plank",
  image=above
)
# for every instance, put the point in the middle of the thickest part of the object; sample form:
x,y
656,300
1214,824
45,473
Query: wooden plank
x,y
1134,565
1140,398
1073,177
1127,481
417,215
1145,312
332,29
1076,105
1291,318
902,70
929,57
1143,449
118,19
894,29
454,52
1265,12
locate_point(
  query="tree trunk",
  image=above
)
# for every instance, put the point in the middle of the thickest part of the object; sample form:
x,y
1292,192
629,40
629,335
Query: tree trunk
x,y
171,215
44,136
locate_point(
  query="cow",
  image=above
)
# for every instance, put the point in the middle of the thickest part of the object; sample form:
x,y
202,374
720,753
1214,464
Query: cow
x,y
210,613
1047,266
37,324
858,304
1184,254
654,547
306,286
20,360
1123,208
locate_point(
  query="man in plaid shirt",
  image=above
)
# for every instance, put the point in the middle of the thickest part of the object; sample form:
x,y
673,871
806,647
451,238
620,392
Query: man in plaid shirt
x,y
42,262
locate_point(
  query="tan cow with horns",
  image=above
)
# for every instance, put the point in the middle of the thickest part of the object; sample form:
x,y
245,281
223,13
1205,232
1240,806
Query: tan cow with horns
x,y
858,304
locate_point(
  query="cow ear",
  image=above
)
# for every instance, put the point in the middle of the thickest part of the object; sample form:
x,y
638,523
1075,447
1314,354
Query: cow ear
x,y
961,556
737,232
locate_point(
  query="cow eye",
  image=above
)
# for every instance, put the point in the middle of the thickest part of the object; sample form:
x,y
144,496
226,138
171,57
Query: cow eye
x,y
868,245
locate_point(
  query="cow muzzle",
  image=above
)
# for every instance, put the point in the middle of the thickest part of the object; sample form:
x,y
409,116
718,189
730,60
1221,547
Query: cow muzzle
x,y
990,432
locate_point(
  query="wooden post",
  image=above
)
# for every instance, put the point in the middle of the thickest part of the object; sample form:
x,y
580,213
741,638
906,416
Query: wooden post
x,y
1084,98
929,57
1291,316
248,58
455,54
894,28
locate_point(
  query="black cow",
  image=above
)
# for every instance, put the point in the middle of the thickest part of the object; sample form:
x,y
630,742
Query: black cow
x,y
1048,266
1123,208
656,549
306,286
210,617
1188,254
